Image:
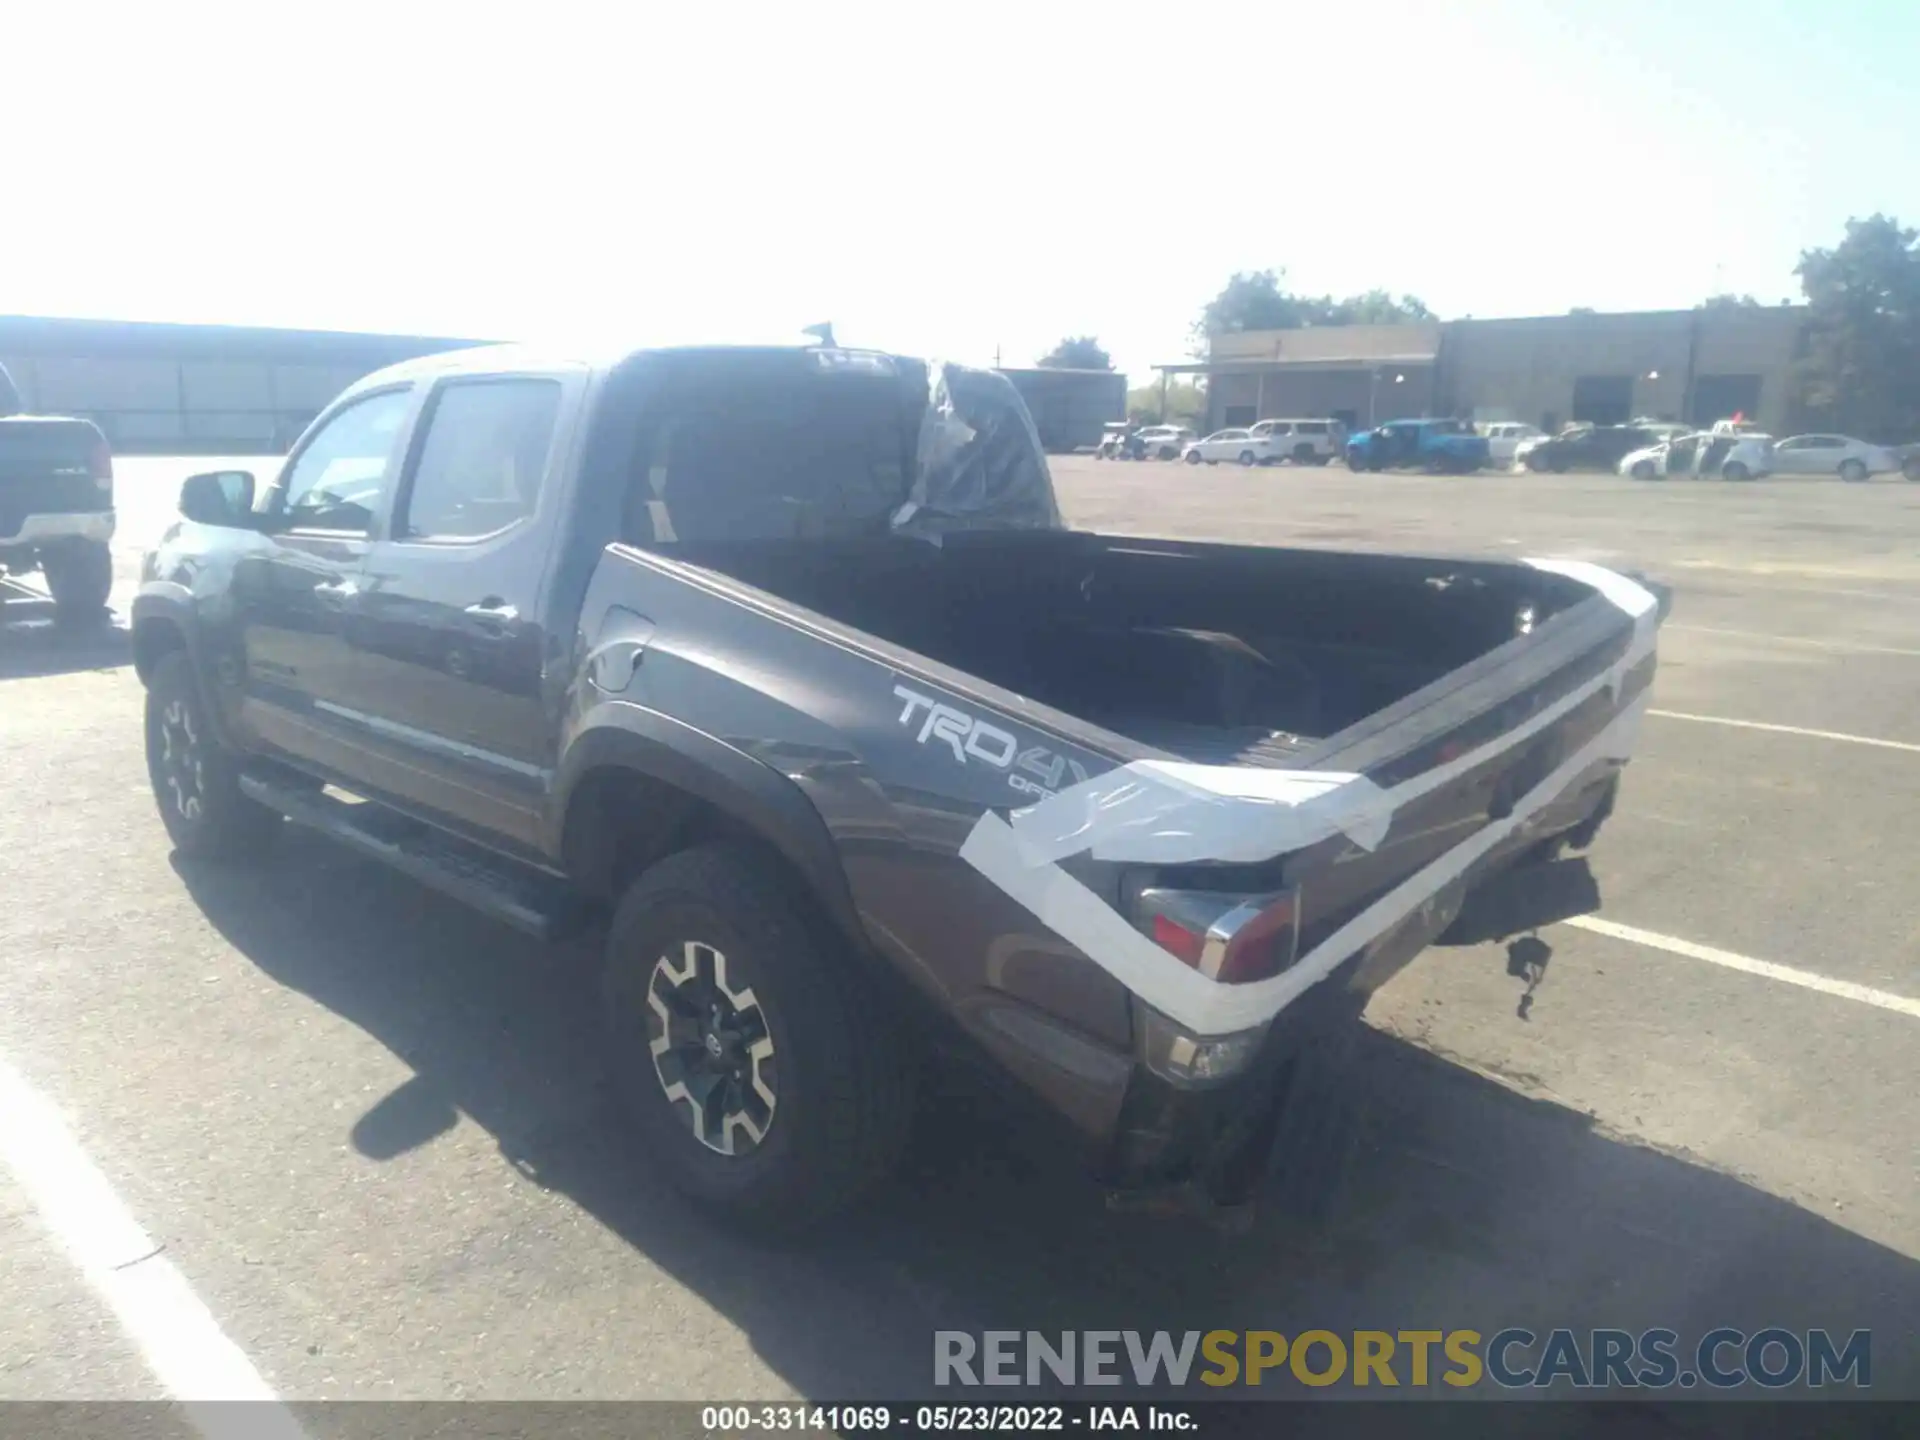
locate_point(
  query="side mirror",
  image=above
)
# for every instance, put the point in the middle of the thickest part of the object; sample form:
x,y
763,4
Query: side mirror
x,y
219,497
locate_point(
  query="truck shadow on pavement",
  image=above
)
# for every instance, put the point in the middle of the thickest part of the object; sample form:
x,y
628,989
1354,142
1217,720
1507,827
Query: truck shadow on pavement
x,y
1466,1205
33,644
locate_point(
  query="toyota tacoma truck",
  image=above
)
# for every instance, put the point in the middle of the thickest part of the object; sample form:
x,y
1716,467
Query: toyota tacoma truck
x,y
56,504
780,667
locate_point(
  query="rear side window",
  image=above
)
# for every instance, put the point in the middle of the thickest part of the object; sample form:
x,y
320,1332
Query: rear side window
x,y
483,458
1312,427
764,453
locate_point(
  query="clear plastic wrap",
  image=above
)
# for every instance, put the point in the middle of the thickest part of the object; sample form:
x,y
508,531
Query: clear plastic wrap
x,y
979,464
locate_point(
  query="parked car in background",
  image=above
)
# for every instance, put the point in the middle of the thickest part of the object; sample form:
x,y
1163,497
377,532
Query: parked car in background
x,y
1305,442
1165,442
1662,429
56,504
1441,447
1504,437
1728,457
1121,441
1840,455
1584,447
1242,447
1909,457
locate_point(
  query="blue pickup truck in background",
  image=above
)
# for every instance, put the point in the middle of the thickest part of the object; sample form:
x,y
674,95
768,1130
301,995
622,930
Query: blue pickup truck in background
x,y
1441,447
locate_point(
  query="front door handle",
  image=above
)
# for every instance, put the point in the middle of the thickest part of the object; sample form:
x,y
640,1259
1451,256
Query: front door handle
x,y
492,613
336,589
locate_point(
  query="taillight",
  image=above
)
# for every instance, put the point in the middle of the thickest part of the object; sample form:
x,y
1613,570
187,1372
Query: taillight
x,y
100,464
1232,938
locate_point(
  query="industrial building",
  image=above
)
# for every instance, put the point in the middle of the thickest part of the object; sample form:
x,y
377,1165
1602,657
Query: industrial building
x,y
186,389
1694,366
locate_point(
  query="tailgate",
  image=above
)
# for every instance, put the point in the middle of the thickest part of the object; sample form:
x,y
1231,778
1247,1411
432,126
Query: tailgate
x,y
51,466
1377,829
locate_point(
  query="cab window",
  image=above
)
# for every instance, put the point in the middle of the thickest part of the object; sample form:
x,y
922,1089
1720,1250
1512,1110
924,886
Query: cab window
x,y
341,478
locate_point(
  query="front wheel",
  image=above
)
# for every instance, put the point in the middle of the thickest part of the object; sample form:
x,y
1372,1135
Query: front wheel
x,y
1642,470
766,1075
1853,472
1736,471
1247,458
195,778
1193,457
79,577
1910,467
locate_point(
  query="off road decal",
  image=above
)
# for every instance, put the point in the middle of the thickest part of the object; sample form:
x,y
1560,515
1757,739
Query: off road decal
x,y
1034,770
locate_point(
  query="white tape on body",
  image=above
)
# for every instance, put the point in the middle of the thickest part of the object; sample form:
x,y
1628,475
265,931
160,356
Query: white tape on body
x,y
1170,812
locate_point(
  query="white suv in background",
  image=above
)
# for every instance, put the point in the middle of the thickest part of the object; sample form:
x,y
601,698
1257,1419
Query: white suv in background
x,y
1503,440
1305,442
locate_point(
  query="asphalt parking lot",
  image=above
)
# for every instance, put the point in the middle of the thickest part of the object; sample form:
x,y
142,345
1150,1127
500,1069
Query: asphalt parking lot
x,y
367,1129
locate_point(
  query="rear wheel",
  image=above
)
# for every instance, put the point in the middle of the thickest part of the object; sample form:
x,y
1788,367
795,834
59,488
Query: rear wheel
x,y
195,778
1852,471
1642,470
1247,457
79,577
1910,467
1303,454
1736,471
1193,457
766,1075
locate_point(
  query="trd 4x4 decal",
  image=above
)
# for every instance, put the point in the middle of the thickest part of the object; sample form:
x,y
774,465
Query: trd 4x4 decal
x,y
1034,770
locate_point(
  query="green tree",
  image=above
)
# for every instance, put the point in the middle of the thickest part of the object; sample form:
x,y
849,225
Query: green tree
x,y
1255,300
1583,310
1727,300
1186,404
1862,366
1077,352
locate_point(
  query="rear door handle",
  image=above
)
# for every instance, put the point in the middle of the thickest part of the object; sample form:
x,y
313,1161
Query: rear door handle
x,y
337,589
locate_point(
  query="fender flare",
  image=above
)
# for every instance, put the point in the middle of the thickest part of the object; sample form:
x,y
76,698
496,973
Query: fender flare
x,y
623,736
166,603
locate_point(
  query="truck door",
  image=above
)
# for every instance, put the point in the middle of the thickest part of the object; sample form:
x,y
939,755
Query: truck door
x,y
294,592
450,634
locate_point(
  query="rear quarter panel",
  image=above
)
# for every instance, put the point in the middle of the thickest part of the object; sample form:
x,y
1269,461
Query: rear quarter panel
x,y
899,765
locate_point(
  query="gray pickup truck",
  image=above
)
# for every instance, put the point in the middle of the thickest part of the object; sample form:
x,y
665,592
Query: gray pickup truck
x,y
781,665
56,504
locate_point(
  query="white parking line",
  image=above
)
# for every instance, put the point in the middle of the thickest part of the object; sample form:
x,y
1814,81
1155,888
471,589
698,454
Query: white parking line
x,y
1786,974
176,1335
1907,745
1842,646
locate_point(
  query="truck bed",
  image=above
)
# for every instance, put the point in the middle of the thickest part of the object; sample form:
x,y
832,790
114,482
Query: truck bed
x,y
1214,653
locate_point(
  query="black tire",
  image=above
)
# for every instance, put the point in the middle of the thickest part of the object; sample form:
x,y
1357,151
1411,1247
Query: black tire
x,y
836,1068
1303,455
1642,470
1247,458
1910,467
195,778
1319,1126
1734,470
1852,471
79,577
1193,457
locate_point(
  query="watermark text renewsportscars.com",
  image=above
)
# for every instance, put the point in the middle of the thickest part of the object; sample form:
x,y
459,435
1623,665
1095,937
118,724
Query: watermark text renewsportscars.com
x,y
1725,1358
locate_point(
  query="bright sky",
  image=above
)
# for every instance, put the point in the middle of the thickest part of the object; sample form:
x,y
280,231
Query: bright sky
x,y
957,178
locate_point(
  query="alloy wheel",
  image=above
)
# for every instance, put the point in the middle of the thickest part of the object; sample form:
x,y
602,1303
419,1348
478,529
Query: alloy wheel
x,y
182,769
712,1050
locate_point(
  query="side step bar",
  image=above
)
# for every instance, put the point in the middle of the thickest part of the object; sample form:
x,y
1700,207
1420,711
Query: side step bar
x,y
536,904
